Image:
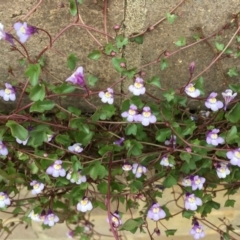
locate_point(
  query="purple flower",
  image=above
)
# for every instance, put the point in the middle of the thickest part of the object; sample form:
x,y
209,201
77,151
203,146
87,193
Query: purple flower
x,y
56,169
49,137
127,167
76,148
119,142
146,117
138,87
79,180
37,187
77,77
197,231
197,182
107,97
131,114
222,170
4,200
228,97
35,216
172,141
213,103
187,182
8,93
164,162
191,91
115,220
155,212
50,219
3,149
6,36
138,170
234,156
84,205
70,234
24,31
22,142
213,138
192,202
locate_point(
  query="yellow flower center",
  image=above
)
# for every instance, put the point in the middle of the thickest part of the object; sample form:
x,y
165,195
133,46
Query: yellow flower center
x,y
127,167
84,202
214,136
222,169
22,29
57,166
138,85
36,186
156,210
51,217
108,95
140,169
115,220
191,88
77,148
198,181
237,154
198,230
8,91
187,181
212,100
2,197
191,199
131,112
146,114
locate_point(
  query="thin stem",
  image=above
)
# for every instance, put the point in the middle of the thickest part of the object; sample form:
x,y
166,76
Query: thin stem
x,y
21,96
105,18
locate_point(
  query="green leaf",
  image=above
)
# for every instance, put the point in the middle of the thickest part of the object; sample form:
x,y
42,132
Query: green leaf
x,y
163,134
73,7
169,181
42,106
181,42
37,93
134,148
74,110
232,72
235,87
132,225
102,187
231,134
95,55
185,156
138,39
199,85
238,38
135,186
97,171
163,64
33,72
63,139
188,214
226,236
170,232
219,46
131,129
17,130
121,41
64,88
229,203
129,73
171,17
92,80
109,48
155,81
233,115
103,113
72,61
117,63
214,204
169,95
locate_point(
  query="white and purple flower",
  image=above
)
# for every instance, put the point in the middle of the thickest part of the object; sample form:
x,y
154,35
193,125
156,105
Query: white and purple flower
x,y
119,142
4,200
127,167
165,162
192,202
50,219
77,77
213,138
56,169
23,142
213,103
37,187
8,93
146,117
6,36
50,137
107,97
197,231
70,234
131,114
3,149
222,170
172,141
156,213
24,31
234,157
79,180
228,97
138,87
187,182
138,170
84,205
115,219
35,216
76,148
197,182
191,91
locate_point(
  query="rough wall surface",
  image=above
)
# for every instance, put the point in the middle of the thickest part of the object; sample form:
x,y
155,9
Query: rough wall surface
x,y
134,17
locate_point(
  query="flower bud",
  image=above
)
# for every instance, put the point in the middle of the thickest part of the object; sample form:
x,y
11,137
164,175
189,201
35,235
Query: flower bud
x,y
116,27
192,68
